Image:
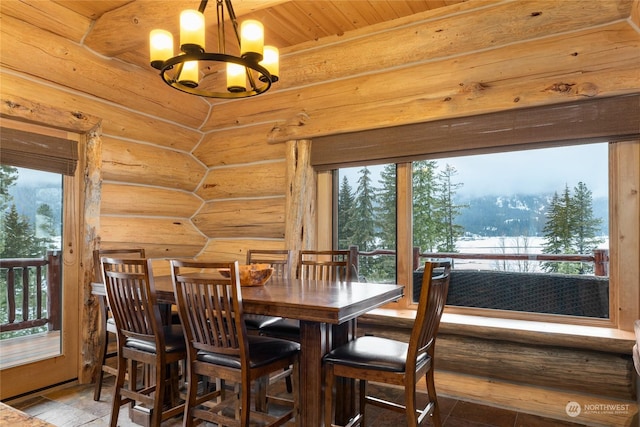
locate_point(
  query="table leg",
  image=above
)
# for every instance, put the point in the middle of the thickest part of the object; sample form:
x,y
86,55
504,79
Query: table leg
x,y
315,342
345,400
313,345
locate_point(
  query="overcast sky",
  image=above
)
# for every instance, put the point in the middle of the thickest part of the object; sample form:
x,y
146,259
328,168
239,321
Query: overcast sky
x,y
529,171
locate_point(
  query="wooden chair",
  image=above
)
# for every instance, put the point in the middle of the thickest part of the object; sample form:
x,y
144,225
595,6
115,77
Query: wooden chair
x,y
315,265
383,360
325,265
108,326
144,339
219,347
280,260
312,265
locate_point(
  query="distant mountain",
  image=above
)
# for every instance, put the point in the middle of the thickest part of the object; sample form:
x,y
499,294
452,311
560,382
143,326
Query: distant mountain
x,y
514,215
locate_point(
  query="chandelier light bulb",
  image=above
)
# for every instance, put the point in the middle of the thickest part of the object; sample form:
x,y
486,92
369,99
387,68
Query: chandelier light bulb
x,y
236,77
190,74
251,39
191,30
271,62
160,45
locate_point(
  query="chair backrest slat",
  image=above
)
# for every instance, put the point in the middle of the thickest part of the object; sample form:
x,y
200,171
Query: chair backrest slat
x,y
433,296
210,306
280,260
324,265
113,253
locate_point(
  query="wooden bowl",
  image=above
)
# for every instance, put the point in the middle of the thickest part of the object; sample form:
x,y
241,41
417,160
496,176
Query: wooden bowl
x,y
252,275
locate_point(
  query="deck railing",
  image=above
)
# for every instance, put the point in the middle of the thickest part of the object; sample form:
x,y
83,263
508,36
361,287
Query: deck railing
x,y
599,258
566,294
32,296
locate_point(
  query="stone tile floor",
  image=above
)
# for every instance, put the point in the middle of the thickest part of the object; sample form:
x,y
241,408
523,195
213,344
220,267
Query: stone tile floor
x,y
73,406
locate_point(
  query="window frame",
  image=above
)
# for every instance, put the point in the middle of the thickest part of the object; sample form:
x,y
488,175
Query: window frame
x,y
405,248
614,119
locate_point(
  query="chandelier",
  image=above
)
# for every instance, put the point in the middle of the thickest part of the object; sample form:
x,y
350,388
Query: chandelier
x,y
196,71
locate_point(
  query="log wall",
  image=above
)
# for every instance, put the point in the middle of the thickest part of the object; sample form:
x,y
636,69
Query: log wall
x,y
183,179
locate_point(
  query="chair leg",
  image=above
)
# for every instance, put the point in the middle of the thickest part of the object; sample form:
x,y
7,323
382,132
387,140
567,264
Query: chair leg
x,y
363,401
260,398
431,389
103,357
245,405
104,347
295,373
160,394
117,398
192,397
410,406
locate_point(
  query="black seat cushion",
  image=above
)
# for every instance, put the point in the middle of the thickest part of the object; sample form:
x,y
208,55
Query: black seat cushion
x,y
262,351
289,328
173,337
372,353
258,321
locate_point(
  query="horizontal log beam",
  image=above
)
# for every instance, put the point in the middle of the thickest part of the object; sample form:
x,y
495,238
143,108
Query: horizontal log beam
x,y
431,37
129,162
120,199
116,121
514,76
242,218
493,79
49,16
256,180
233,146
228,250
75,67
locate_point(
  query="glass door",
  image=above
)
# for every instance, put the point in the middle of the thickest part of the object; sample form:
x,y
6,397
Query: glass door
x,y
39,281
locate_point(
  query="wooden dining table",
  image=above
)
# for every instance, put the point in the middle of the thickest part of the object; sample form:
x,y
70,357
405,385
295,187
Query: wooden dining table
x,y
327,311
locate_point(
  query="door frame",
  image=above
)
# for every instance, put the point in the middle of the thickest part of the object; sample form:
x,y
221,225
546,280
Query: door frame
x,y
23,379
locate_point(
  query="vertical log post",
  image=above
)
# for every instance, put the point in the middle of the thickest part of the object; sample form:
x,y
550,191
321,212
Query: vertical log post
x,y
91,332
300,200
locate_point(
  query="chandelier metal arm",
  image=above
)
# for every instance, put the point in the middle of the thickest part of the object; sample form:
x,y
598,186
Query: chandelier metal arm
x,y
178,61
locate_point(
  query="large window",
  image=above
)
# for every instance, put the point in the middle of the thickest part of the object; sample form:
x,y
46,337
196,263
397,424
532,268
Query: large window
x,y
527,230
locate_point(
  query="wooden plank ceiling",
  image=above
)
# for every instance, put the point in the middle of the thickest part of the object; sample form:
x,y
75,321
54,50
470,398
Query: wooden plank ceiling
x,y
120,28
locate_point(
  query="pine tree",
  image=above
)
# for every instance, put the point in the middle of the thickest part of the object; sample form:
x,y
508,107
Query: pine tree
x,y
427,231
385,213
555,230
386,197
449,210
571,228
586,227
20,238
364,221
8,176
345,211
